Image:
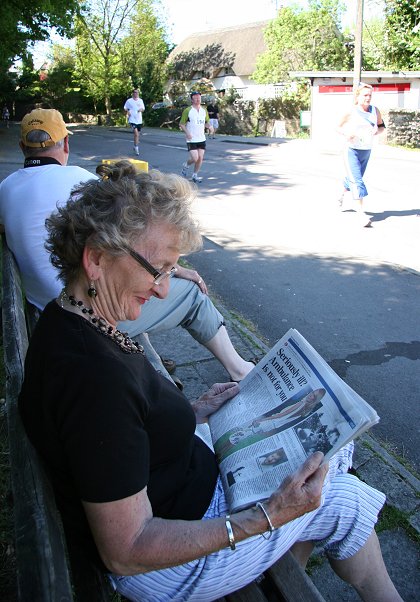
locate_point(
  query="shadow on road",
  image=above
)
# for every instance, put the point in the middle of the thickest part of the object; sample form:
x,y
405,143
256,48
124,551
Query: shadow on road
x,y
379,217
375,357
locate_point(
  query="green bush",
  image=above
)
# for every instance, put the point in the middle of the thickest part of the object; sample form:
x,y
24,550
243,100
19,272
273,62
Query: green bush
x,y
241,117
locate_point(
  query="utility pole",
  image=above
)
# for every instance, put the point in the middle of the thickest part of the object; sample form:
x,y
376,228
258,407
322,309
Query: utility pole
x,y
358,34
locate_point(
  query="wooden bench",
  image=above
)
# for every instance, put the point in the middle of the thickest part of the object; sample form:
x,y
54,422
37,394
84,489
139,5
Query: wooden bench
x,y
50,567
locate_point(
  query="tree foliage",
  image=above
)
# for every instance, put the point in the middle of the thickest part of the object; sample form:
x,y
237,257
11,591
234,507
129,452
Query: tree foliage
x,y
207,61
144,52
374,45
60,75
100,29
120,44
25,22
300,40
61,89
402,25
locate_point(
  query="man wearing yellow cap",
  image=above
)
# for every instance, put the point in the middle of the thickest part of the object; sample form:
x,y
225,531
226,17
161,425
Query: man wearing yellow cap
x,y
30,194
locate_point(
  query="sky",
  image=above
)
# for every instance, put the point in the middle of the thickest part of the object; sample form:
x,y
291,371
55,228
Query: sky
x,y
185,17
189,16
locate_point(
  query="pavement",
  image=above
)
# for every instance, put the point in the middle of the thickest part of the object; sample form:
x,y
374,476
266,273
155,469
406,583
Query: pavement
x,y
198,369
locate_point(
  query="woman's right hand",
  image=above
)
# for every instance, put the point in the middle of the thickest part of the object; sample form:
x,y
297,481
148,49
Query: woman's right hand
x,y
299,493
211,401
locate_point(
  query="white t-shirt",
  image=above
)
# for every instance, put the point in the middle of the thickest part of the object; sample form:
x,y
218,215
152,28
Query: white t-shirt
x,y
195,121
362,126
135,107
27,197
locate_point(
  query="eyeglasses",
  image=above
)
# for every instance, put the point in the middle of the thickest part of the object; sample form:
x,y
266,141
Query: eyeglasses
x,y
157,274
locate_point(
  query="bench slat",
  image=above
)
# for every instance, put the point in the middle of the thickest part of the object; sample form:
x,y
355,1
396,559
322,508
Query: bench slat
x,y
249,593
41,561
292,581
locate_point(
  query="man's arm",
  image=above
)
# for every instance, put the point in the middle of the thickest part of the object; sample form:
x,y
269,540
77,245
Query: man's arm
x,y
379,121
192,275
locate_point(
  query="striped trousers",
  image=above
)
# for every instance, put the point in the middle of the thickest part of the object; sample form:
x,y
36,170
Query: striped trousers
x,y
341,526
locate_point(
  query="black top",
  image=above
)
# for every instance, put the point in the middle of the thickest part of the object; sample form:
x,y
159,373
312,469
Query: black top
x,y
107,424
213,111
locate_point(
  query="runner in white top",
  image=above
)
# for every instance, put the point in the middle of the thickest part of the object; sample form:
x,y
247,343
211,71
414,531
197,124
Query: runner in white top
x,y
134,108
193,122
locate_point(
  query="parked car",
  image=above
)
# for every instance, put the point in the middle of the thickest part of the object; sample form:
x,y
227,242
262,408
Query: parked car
x,y
164,104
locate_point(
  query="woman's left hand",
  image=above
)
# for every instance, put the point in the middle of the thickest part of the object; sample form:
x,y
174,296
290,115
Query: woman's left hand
x,y
188,274
211,401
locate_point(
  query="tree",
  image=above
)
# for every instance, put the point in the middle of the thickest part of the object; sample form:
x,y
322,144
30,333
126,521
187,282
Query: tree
x,y
144,52
24,22
402,26
100,29
60,75
303,40
59,88
374,45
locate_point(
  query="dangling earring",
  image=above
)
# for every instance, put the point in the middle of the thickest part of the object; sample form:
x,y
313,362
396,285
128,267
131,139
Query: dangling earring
x,y
92,292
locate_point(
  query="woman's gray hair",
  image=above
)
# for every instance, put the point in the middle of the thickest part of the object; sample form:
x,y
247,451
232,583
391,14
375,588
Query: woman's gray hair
x,y
112,213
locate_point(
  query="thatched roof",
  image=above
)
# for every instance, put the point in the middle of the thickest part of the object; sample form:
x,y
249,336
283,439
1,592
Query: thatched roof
x,y
246,42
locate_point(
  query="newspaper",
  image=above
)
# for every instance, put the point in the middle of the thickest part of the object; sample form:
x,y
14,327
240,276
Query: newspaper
x,y
290,405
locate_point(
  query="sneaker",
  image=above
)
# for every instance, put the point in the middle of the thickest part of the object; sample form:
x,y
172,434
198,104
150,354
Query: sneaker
x,y
184,171
196,179
136,150
169,364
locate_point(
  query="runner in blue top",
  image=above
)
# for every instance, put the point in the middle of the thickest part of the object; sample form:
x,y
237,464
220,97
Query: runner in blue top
x,y
193,122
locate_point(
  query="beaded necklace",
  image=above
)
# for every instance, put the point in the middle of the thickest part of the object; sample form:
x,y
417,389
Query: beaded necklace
x,y
101,325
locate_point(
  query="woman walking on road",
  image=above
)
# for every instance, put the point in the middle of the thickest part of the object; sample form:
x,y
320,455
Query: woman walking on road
x,y
359,126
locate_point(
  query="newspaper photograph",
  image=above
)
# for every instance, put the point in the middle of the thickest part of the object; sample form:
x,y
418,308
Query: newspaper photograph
x,y
289,406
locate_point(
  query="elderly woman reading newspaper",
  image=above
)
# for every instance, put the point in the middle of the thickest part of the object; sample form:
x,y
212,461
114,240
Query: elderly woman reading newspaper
x,y
133,481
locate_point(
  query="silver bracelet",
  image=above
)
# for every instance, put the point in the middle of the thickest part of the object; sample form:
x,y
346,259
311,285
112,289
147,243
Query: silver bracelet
x,y
230,533
270,524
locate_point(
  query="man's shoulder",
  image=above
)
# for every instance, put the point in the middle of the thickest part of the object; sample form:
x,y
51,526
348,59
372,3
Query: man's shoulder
x,y
80,172
10,177
64,172
185,114
68,171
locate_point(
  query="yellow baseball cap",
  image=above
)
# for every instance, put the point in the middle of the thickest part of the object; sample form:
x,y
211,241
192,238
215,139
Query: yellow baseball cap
x,y
48,120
